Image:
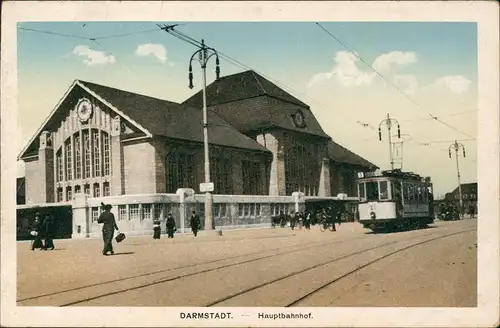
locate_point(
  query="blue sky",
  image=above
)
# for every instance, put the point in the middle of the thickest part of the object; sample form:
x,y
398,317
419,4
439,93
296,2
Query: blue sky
x,y
434,63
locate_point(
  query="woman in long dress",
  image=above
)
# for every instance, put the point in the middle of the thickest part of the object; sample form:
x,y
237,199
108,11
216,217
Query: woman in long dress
x,y
48,234
36,230
156,229
170,226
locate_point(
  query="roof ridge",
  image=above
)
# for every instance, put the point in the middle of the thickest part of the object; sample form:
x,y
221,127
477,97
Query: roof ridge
x,y
260,84
131,92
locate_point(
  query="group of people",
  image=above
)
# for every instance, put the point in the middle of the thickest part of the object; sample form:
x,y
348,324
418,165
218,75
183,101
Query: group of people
x,y
451,210
194,223
325,216
43,233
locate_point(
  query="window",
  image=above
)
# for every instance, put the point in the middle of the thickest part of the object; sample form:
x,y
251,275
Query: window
x,y
157,211
69,194
95,214
180,171
78,189
105,141
133,212
86,154
78,157
257,209
97,190
146,212
361,190
86,189
96,153
252,178
372,191
105,189
384,190
69,160
59,194
122,212
300,170
59,166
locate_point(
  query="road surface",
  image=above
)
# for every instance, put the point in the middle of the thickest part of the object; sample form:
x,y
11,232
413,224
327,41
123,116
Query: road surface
x,y
436,266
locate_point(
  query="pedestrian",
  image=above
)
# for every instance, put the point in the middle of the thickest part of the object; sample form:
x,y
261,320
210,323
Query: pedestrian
x,y
195,223
47,230
282,219
293,220
108,229
307,220
36,230
171,226
156,229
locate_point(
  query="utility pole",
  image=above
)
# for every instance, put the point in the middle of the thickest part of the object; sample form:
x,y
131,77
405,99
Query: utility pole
x,y
457,146
204,53
389,121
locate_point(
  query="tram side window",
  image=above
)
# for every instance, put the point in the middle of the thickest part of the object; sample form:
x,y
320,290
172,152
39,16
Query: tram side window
x,y
372,191
384,190
361,191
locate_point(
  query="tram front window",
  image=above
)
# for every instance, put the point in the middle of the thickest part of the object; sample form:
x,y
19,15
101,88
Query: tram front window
x,y
372,191
384,190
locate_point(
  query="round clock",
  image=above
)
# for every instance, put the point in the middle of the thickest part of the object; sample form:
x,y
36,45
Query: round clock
x,y
84,109
299,119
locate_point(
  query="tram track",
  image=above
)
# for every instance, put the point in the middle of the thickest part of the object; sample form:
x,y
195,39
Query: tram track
x,y
179,278
294,275
296,247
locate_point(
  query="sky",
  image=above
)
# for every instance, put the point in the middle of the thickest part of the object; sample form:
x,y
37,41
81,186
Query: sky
x,y
351,79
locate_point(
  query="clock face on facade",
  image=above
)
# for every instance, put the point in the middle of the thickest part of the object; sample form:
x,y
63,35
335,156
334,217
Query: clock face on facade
x,y
298,119
84,109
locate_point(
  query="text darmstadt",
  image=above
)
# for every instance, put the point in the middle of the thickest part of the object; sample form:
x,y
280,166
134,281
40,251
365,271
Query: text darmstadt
x,y
206,315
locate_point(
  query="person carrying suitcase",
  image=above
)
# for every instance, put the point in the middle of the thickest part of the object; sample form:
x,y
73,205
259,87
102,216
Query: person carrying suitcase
x,y
108,229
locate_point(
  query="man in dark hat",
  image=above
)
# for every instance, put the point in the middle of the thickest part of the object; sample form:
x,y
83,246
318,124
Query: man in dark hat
x,y
109,225
195,223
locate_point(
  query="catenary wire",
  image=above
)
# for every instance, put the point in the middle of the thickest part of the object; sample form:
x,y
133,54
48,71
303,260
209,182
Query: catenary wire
x,y
433,117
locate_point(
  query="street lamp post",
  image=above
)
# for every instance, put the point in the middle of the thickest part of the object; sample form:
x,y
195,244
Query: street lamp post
x,y
389,121
457,146
204,54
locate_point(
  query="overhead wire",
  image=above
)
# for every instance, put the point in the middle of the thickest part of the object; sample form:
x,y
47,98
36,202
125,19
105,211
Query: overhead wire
x,y
433,117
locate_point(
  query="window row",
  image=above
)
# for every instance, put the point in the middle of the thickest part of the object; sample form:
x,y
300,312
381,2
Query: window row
x,y
143,211
85,159
466,196
285,208
299,165
181,173
248,210
94,190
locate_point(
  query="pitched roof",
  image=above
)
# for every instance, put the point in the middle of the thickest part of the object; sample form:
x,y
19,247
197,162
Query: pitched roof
x,y
265,105
240,86
341,154
165,118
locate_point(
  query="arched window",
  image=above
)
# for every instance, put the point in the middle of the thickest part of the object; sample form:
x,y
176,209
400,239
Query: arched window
x,y
96,153
86,155
300,171
59,166
78,157
69,159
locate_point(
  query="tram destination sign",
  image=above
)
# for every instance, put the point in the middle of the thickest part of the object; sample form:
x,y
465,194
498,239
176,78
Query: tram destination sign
x,y
206,187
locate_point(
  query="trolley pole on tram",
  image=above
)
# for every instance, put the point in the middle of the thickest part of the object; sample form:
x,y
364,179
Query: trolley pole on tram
x,y
389,122
457,146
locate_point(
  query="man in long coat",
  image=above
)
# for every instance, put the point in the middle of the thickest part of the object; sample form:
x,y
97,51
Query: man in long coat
x,y
108,229
170,225
195,223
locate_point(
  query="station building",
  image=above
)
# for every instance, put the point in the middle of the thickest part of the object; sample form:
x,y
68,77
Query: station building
x,y
103,141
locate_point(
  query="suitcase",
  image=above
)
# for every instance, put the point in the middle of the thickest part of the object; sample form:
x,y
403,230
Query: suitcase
x,y
120,237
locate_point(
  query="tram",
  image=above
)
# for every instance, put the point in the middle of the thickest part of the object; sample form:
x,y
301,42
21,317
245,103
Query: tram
x,y
390,200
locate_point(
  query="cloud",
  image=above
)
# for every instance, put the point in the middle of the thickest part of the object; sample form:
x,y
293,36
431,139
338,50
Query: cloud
x,y
149,49
347,73
384,63
406,83
455,83
93,57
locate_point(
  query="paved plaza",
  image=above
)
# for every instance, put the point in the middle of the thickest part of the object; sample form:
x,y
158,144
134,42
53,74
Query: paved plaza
x,y
261,267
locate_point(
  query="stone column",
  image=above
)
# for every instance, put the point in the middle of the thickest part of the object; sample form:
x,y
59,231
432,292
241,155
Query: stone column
x,y
324,180
184,193
46,162
116,185
81,217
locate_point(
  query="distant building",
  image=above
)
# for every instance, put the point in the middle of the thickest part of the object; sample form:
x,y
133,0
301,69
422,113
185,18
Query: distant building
x,y
469,194
103,141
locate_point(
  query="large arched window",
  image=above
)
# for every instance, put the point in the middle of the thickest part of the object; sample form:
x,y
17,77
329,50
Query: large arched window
x,y
85,154
301,171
